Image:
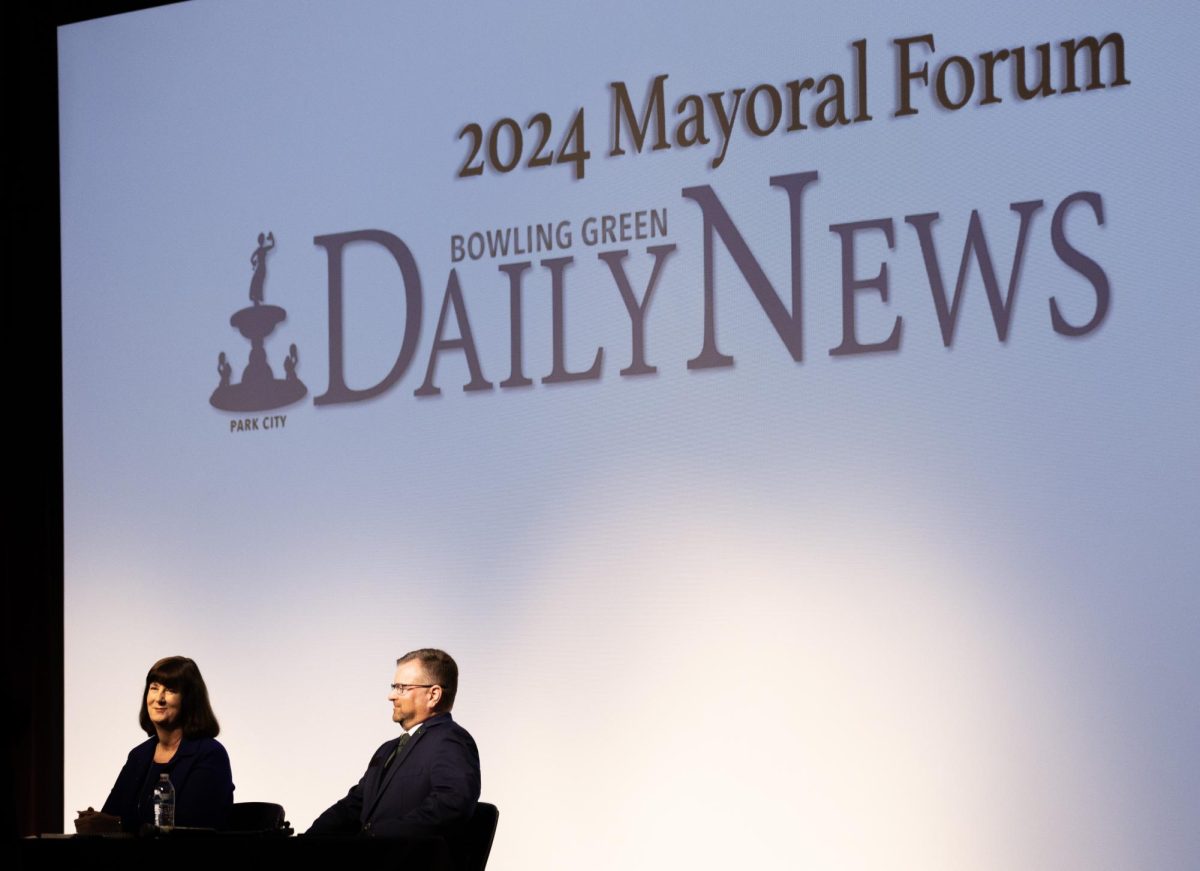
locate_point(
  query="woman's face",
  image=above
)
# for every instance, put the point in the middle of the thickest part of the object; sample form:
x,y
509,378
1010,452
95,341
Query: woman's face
x,y
162,705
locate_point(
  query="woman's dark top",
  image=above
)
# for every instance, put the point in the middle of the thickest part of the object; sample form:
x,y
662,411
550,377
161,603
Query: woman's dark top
x,y
200,773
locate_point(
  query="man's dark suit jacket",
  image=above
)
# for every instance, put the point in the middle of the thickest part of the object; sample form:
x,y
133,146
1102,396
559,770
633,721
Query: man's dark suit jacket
x,y
431,785
199,772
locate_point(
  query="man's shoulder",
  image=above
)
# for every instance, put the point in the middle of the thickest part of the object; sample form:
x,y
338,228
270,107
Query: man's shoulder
x,y
445,726
448,740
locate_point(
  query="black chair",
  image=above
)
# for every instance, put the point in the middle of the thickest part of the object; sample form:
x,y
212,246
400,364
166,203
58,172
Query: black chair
x,y
258,818
475,845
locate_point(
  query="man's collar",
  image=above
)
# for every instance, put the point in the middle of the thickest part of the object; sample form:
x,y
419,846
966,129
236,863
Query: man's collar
x,y
435,720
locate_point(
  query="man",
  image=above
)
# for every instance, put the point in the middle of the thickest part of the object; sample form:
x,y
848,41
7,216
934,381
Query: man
x,y
427,780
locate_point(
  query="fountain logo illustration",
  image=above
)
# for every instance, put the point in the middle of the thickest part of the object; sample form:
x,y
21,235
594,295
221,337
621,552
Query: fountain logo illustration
x,y
259,389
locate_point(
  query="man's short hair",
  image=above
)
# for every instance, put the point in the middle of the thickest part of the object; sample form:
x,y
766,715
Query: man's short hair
x,y
441,669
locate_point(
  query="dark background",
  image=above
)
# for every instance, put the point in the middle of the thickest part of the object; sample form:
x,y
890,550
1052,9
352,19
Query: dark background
x,y
33,612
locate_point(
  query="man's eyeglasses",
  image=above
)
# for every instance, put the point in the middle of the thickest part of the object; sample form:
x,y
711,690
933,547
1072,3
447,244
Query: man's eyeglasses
x,y
402,688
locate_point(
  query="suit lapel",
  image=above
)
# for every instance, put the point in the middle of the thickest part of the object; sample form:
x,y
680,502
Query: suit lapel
x,y
181,762
385,776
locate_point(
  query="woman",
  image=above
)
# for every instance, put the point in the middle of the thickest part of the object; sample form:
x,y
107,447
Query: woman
x,y
175,713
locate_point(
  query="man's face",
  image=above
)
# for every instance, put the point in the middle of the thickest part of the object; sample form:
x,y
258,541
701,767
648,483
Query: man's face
x,y
417,703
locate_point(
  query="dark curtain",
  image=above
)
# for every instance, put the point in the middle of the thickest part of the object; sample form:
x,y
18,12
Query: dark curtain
x,y
31,363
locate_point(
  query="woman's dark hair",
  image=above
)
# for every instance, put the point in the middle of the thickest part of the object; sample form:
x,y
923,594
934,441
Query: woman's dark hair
x,y
181,675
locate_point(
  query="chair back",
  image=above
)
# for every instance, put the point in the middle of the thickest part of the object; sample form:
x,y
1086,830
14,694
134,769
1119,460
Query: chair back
x,y
477,837
258,817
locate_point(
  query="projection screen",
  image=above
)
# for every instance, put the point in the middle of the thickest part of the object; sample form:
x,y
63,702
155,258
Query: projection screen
x,y
786,413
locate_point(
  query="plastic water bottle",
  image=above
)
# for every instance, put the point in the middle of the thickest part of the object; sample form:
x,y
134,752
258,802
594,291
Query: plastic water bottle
x,y
164,803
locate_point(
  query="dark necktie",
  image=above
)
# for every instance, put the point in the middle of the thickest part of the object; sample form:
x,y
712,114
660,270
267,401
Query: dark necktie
x,y
399,746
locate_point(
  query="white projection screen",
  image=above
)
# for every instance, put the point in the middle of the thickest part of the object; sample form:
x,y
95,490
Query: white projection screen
x,y
786,413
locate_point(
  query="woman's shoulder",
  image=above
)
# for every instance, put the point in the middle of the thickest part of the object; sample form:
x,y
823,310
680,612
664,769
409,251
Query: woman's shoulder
x,y
206,746
207,752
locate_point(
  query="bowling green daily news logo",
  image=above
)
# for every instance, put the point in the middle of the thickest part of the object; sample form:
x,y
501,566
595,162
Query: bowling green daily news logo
x,y
607,244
